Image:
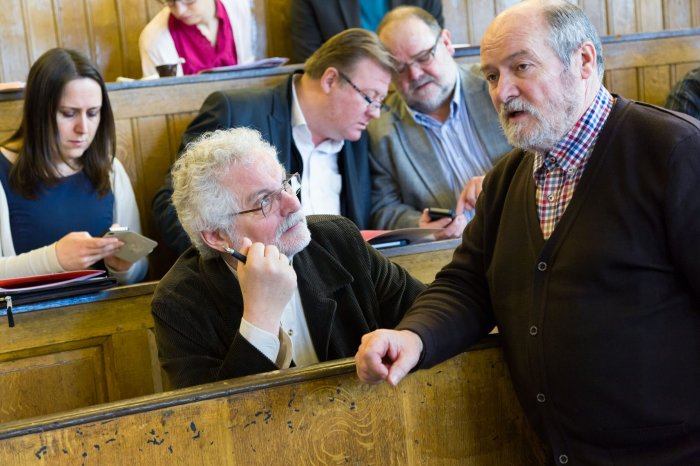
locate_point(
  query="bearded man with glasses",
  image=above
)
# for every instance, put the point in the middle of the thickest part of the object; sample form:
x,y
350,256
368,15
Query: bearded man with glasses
x,y
305,291
440,135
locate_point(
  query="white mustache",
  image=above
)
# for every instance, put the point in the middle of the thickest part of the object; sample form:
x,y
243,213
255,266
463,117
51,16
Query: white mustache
x,y
515,106
420,81
290,221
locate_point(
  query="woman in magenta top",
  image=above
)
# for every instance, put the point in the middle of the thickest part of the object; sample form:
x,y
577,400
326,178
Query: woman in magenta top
x,y
205,33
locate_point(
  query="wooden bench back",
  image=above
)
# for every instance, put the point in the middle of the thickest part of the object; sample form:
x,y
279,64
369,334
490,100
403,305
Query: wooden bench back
x,y
463,411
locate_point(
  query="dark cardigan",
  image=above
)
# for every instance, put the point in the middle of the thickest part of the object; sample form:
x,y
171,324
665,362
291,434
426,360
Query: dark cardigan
x,y
601,323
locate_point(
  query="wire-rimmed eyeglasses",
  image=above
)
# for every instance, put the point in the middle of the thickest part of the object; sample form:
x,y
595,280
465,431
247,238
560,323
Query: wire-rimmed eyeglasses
x,y
290,185
371,103
421,58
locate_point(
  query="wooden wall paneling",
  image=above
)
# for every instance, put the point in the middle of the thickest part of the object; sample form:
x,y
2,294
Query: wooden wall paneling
x,y
481,13
277,25
624,82
103,24
130,355
695,13
48,383
11,115
680,70
621,17
656,81
596,10
152,145
649,15
133,15
677,14
451,389
14,55
457,20
75,29
328,423
79,355
666,51
262,47
40,25
77,322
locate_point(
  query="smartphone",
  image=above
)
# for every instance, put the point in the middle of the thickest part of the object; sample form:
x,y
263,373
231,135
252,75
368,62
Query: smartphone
x,y
135,245
436,213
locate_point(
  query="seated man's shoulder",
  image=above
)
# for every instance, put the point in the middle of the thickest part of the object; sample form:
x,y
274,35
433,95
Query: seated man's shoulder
x,y
331,230
652,116
249,95
184,272
331,223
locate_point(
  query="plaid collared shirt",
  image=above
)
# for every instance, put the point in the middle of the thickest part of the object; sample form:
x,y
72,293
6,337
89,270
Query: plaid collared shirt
x,y
558,171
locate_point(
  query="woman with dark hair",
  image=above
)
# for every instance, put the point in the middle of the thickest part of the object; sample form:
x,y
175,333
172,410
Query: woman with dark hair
x,y
60,184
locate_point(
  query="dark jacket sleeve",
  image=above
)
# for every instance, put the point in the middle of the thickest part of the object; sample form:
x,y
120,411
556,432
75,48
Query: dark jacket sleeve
x,y
305,30
214,114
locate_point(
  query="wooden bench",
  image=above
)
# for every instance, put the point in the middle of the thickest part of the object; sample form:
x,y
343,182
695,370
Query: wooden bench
x,y
77,352
463,411
91,349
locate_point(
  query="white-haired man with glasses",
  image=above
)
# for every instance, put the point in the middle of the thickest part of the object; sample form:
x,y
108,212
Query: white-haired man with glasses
x,y
441,134
315,119
197,35
305,292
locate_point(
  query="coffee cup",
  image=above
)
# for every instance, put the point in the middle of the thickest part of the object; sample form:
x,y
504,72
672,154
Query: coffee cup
x,y
165,71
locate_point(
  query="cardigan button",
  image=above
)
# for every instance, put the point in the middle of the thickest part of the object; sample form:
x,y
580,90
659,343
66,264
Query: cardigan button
x,y
563,459
541,398
542,266
533,330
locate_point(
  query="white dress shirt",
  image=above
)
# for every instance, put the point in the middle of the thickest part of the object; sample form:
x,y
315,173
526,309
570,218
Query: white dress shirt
x,y
321,182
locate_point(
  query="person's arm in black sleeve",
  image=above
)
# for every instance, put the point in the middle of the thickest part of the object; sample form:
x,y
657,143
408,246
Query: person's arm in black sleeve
x,y
305,31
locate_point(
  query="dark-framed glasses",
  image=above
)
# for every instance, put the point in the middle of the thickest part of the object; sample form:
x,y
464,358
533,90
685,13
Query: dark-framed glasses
x,y
371,103
423,58
171,3
290,185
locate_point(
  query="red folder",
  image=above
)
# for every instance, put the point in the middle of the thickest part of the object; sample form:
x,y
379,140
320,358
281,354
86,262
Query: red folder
x,y
40,282
26,290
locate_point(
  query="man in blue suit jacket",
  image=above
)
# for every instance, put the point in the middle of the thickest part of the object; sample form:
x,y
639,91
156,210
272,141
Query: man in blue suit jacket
x,y
315,119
